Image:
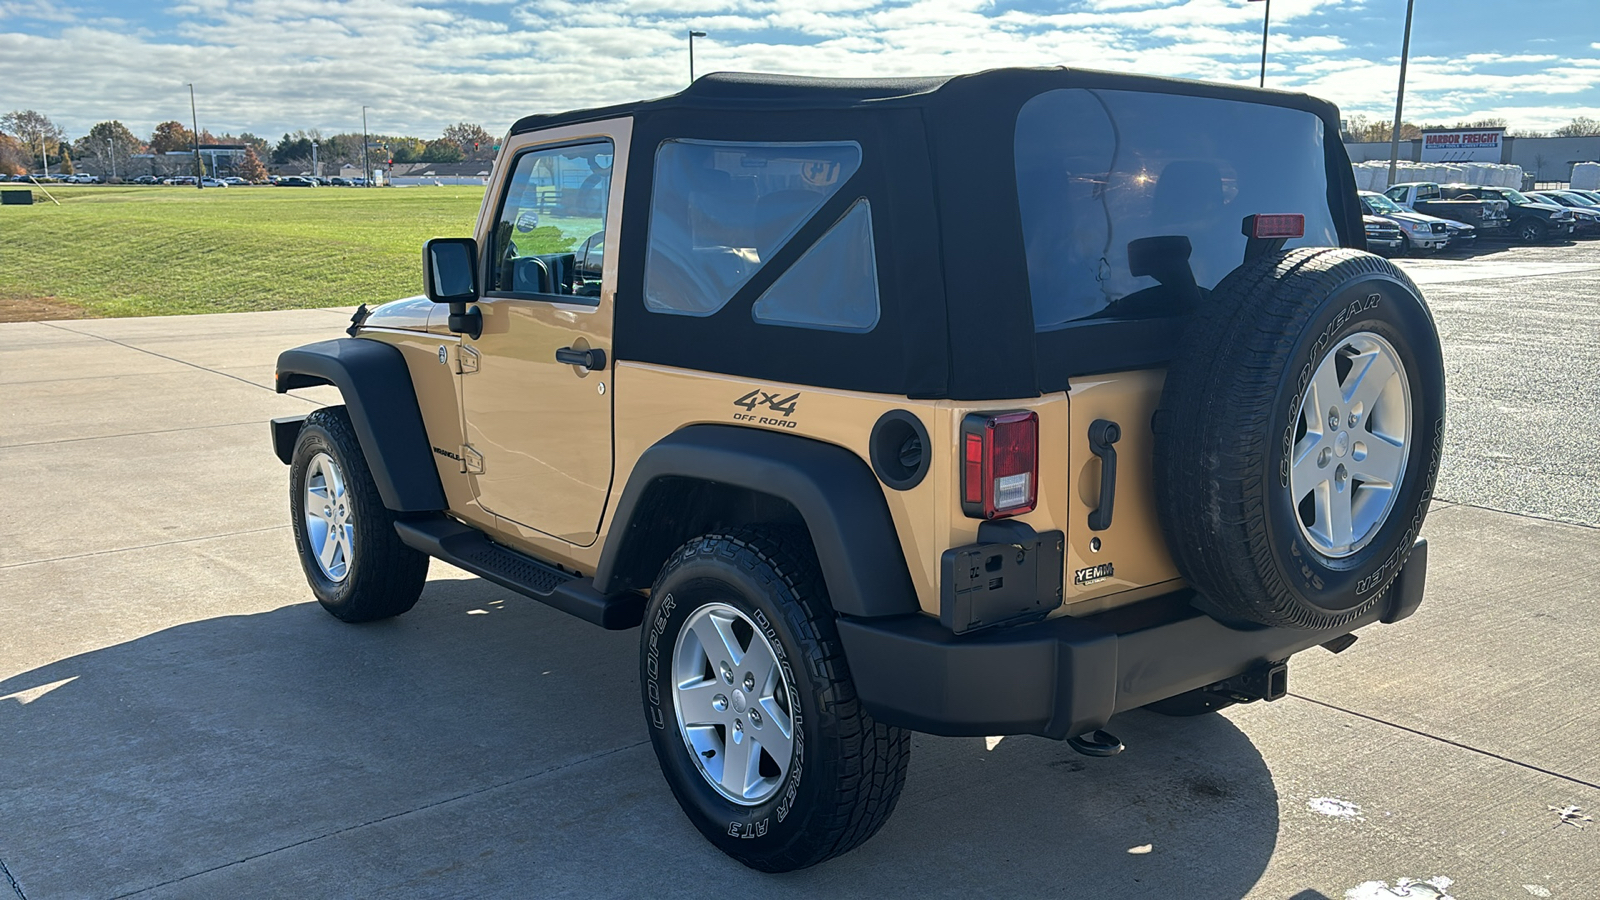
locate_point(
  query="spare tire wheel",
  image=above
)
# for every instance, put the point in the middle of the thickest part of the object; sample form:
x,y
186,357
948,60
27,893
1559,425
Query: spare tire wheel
x,y
1298,438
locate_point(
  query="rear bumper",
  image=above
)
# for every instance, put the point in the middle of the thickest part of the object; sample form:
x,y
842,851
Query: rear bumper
x,y
1067,676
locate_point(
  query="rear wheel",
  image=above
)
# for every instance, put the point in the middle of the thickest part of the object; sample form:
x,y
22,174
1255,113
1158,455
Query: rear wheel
x,y
751,709
356,564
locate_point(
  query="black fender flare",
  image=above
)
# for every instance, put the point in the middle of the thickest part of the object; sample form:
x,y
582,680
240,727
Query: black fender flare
x,y
382,404
832,489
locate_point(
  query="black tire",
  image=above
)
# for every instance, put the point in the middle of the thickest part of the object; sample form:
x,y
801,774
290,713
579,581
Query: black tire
x,y
1532,231
1189,704
385,577
1227,423
846,771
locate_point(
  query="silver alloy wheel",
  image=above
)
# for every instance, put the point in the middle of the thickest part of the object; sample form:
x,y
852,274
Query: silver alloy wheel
x,y
734,705
330,520
1351,445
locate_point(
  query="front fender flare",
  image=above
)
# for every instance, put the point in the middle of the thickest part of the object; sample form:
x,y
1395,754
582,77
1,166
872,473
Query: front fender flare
x,y
382,404
831,488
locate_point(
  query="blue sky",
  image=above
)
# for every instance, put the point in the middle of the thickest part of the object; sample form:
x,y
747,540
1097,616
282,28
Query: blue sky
x,y
270,66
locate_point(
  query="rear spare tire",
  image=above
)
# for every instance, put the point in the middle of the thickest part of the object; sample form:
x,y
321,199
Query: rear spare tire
x,y
1298,438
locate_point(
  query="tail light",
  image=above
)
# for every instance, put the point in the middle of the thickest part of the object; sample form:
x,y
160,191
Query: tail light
x,y
999,464
1278,225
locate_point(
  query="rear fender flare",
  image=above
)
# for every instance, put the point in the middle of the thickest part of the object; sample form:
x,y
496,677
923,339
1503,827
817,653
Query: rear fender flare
x,y
831,488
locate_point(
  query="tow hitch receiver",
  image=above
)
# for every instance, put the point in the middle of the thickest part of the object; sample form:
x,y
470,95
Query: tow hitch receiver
x,y
1263,681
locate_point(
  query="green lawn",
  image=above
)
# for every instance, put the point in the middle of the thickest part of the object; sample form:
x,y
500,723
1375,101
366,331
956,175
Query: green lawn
x,y
138,251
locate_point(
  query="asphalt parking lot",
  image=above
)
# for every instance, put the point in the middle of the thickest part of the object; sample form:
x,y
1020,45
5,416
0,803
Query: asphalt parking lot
x,y
178,718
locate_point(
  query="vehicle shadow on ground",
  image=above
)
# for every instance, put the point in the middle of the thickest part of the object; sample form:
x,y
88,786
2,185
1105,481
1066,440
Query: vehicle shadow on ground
x,y
484,745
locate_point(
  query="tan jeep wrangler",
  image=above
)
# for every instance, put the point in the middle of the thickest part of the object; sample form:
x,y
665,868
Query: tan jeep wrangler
x,y
994,404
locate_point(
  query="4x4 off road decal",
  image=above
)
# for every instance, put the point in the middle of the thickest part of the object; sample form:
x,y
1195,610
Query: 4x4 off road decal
x,y
764,401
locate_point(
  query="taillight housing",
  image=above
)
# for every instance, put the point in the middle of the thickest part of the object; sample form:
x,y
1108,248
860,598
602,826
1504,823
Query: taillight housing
x,y
999,464
1277,225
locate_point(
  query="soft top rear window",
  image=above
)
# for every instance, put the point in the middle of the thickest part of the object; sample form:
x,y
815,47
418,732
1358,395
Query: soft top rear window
x,y
1098,169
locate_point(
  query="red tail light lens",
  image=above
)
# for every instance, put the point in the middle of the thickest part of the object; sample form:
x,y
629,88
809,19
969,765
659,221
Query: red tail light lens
x,y
999,472
1279,225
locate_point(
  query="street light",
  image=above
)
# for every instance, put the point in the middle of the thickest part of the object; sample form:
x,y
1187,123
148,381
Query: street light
x,y
200,172
1400,95
692,35
1266,20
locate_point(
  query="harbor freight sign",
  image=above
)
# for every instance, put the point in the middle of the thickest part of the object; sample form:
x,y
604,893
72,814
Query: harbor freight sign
x,y
1476,145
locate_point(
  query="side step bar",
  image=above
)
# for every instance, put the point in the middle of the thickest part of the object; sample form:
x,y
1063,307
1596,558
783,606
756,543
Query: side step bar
x,y
468,548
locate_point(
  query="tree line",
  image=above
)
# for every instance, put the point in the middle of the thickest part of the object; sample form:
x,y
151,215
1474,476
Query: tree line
x,y
1359,128
28,139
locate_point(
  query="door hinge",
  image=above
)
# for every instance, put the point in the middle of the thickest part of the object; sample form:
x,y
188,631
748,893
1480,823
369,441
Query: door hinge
x,y
466,361
472,459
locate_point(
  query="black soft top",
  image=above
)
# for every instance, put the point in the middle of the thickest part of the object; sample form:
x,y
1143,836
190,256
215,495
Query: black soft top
x,y
957,318
957,96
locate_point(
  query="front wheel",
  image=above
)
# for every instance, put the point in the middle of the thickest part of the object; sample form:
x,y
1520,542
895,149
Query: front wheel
x,y
356,564
751,709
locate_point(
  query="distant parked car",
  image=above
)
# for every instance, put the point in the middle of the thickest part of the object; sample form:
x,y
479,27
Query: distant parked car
x,y
1417,231
1586,211
1531,221
295,181
1383,236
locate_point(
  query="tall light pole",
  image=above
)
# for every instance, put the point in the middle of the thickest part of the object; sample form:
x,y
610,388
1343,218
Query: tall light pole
x,y
366,170
1400,95
1266,21
200,172
692,35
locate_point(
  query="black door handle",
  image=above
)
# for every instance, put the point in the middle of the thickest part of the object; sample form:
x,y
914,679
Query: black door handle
x,y
590,359
1102,435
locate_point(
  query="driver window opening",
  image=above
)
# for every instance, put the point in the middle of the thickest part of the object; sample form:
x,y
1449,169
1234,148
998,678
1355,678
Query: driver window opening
x,y
549,238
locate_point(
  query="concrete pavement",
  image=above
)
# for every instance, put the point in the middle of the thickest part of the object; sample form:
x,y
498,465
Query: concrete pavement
x,y
178,718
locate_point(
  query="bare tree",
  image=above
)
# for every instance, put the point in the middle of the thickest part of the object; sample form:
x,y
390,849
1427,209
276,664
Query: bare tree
x,y
1582,126
474,141
33,129
108,144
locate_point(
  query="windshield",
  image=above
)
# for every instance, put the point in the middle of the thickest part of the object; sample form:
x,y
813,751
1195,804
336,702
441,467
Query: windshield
x,y
1378,204
1097,171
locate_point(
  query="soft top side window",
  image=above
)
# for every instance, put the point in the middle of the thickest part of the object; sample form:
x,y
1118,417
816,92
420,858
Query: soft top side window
x,y
721,209
550,229
833,286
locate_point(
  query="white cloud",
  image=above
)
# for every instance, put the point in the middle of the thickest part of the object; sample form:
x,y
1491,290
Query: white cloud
x,y
273,65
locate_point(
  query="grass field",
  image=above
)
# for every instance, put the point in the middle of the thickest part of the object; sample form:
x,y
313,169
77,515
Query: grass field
x,y
139,251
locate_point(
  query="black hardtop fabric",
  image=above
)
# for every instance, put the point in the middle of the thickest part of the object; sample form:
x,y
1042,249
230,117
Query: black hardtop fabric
x,y
956,315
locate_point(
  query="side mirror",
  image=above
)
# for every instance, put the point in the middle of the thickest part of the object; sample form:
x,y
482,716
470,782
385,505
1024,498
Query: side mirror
x,y
450,270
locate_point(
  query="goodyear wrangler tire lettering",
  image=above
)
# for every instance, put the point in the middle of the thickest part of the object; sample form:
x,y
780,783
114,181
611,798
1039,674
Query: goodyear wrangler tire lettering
x,y
1290,486
731,598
